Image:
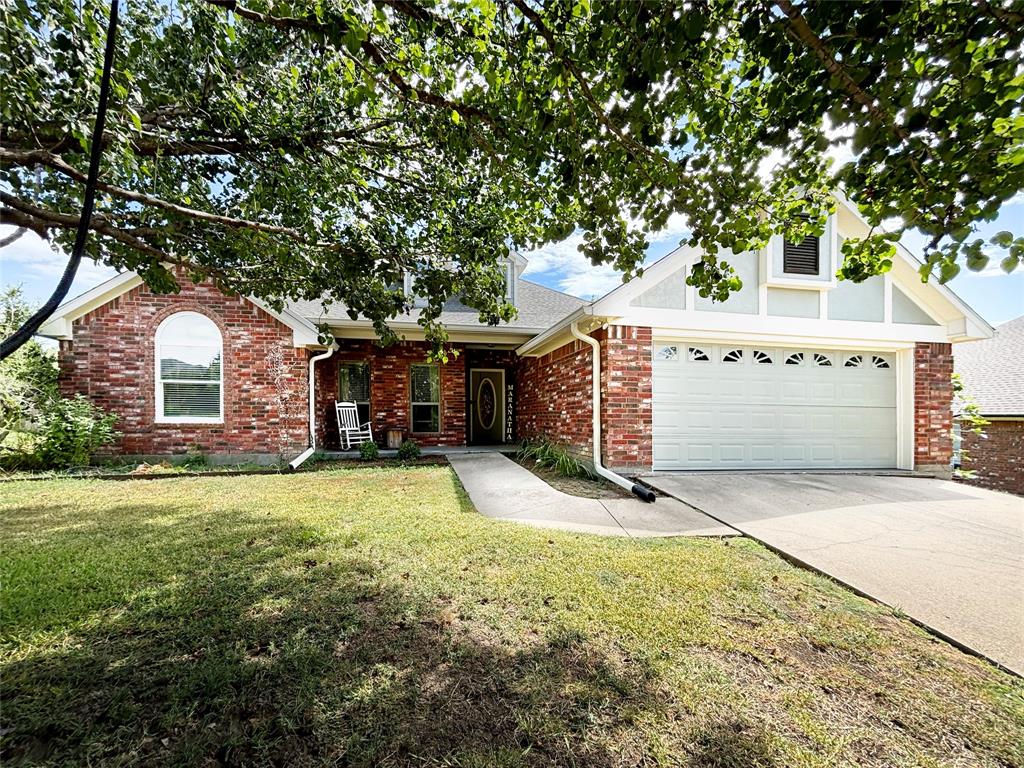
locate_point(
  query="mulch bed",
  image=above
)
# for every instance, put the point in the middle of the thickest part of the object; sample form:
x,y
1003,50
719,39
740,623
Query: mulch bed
x,y
586,487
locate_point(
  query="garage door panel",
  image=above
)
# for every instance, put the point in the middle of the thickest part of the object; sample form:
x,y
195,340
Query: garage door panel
x,y
732,453
714,414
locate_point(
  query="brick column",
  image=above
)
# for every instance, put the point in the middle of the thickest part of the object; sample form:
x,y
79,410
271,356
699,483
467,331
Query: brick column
x,y
933,408
626,413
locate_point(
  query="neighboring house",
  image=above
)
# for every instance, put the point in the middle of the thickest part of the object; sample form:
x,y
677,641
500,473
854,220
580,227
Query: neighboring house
x,y
992,371
794,371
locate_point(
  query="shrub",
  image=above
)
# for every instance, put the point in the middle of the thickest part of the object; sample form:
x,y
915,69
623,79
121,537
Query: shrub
x,y
547,453
368,451
408,450
195,459
72,429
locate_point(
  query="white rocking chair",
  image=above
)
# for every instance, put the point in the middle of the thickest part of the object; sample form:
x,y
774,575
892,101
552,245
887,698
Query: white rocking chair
x,y
349,428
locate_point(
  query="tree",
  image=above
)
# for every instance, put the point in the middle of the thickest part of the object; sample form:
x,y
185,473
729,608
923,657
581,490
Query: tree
x,y
321,149
28,378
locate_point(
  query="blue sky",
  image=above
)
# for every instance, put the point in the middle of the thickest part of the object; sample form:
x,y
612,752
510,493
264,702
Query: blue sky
x,y
998,297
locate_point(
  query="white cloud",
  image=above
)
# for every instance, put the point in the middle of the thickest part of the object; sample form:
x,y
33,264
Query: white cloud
x,y
1017,199
32,259
564,265
570,270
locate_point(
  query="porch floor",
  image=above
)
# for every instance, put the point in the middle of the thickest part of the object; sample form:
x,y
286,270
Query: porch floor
x,y
426,450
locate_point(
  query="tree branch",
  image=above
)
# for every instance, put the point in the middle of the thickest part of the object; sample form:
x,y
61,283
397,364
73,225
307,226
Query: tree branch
x,y
633,147
53,139
56,163
368,47
13,237
801,31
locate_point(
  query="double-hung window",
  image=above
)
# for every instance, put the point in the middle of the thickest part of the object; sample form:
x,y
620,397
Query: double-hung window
x,y
354,387
189,376
425,392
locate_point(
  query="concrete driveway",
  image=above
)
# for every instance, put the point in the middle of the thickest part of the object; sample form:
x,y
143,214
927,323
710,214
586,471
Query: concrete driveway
x,y
951,556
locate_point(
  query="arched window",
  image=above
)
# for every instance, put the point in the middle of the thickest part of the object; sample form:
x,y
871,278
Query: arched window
x,y
189,376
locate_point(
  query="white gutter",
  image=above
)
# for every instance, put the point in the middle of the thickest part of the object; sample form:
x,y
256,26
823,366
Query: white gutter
x,y
298,460
595,352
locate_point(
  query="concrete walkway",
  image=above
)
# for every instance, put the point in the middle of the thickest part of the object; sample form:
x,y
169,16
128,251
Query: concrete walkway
x,y
949,555
501,489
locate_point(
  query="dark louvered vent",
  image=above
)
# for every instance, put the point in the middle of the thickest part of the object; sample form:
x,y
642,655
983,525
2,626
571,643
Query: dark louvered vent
x,y
800,258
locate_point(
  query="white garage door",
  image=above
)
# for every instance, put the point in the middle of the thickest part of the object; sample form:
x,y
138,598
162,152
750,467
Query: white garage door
x,y
751,407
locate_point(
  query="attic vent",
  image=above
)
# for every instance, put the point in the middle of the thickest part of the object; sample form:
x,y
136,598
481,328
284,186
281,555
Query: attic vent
x,y
801,258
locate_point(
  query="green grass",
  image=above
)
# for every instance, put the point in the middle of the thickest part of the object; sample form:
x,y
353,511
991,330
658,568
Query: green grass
x,y
370,617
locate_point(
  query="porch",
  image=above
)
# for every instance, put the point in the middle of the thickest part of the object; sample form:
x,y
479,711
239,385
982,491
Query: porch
x,y
468,402
429,450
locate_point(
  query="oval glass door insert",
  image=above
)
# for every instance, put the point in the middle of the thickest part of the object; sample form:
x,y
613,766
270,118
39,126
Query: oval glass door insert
x,y
485,403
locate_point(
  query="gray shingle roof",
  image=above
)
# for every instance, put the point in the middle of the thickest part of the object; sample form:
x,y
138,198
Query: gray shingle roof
x,y
993,370
539,308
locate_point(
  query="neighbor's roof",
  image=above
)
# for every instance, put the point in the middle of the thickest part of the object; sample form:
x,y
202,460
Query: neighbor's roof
x,y
993,370
539,307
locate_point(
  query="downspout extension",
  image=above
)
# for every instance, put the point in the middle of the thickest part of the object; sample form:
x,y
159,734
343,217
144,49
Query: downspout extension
x,y
644,493
301,458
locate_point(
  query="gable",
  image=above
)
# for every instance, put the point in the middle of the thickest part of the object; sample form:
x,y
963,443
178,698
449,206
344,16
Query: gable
x,y
61,324
923,311
895,309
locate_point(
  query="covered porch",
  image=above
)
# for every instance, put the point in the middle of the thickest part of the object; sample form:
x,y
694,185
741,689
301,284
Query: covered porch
x,y
468,402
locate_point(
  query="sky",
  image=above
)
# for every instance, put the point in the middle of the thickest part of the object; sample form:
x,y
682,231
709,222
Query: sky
x,y
996,296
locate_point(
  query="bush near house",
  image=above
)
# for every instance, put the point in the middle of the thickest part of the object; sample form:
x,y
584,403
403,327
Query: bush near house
x,y
38,428
547,453
368,451
408,450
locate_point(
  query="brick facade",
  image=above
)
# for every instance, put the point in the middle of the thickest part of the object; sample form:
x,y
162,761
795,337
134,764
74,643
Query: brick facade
x,y
556,397
111,361
626,412
933,407
997,455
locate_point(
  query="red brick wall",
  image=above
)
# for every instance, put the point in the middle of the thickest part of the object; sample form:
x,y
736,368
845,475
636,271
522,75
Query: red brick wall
x,y
997,456
111,360
626,413
933,406
555,397
389,392
554,393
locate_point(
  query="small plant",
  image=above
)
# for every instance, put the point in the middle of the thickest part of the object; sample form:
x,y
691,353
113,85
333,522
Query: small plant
x,y
547,453
408,450
967,418
368,451
195,459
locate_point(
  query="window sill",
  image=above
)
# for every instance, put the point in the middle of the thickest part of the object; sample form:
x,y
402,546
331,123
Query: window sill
x,y
190,422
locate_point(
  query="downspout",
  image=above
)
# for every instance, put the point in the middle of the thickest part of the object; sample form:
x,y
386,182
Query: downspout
x,y
644,493
298,460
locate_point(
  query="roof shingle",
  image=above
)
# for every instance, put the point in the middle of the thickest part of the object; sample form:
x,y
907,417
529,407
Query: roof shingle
x,y
993,370
539,308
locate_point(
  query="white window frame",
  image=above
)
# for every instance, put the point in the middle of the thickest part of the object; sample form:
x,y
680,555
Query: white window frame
x,y
159,381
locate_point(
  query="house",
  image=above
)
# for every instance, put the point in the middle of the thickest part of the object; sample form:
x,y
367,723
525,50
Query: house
x,y
992,371
794,371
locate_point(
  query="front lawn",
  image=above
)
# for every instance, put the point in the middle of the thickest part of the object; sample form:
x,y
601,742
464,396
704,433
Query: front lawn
x,y
370,617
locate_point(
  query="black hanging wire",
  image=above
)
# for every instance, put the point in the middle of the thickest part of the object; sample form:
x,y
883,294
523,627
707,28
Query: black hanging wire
x,y
31,325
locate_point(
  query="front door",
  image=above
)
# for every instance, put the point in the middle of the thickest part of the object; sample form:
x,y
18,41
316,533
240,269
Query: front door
x,y
486,406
